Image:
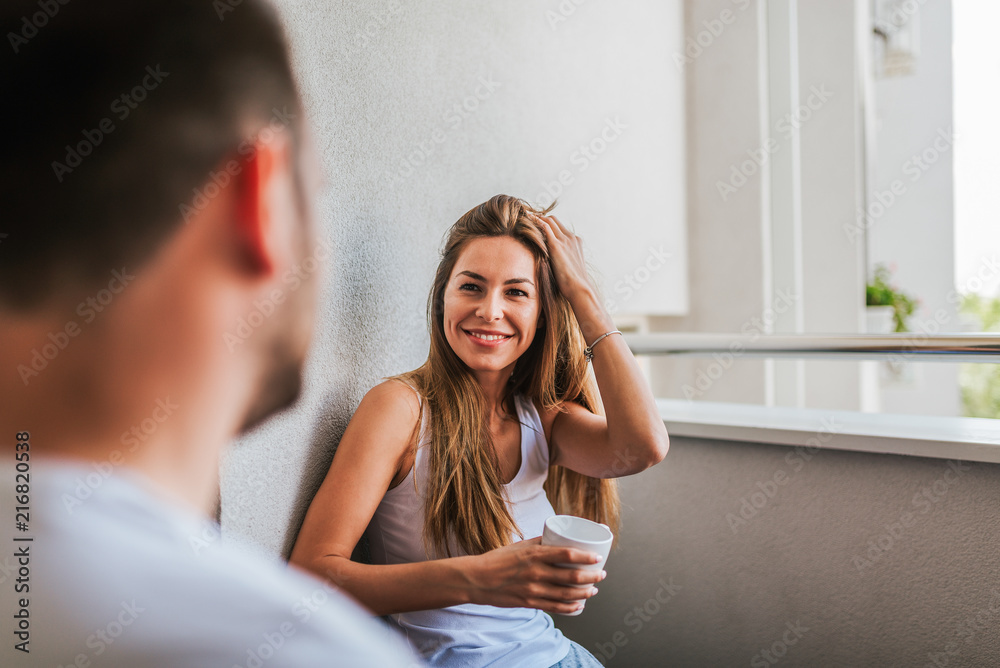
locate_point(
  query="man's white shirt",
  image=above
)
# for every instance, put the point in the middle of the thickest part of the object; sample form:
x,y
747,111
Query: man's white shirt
x,y
116,576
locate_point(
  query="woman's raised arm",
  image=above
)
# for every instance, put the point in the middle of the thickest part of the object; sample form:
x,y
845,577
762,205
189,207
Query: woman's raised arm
x,y
631,436
371,452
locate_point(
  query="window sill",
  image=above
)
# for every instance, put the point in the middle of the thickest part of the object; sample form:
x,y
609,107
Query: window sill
x,y
968,439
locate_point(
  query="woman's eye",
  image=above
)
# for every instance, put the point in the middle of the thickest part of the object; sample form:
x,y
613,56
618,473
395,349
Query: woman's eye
x,y
468,286
517,293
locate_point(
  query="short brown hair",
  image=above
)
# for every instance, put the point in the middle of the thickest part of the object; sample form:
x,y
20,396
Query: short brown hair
x,y
115,114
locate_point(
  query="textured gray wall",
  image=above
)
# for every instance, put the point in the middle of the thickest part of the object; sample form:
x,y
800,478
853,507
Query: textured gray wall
x,y
931,592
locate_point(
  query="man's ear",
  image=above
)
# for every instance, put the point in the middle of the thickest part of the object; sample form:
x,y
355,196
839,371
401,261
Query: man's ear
x,y
260,234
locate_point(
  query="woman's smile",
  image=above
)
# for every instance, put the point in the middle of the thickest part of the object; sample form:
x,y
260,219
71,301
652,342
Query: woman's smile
x,y
487,338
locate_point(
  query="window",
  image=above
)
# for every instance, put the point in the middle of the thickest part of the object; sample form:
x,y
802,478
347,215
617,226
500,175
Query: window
x,y
840,154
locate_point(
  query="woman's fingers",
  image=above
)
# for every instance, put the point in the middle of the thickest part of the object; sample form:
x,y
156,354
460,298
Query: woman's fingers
x,y
530,575
559,607
553,558
562,228
573,576
551,224
563,599
574,589
553,595
568,555
547,228
554,607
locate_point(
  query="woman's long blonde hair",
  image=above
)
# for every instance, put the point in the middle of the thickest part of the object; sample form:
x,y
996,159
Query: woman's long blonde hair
x,y
465,499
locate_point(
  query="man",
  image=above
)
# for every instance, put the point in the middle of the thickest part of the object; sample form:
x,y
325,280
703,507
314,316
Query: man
x,y
156,183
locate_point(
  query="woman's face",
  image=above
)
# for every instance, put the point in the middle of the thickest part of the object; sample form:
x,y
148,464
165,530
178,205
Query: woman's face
x,y
491,303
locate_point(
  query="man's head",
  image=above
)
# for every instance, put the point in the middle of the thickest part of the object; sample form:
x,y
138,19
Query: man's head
x,y
160,139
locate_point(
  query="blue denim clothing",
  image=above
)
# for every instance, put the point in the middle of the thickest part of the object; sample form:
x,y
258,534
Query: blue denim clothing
x,y
578,657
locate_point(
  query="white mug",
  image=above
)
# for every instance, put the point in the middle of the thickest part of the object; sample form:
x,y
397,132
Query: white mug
x,y
582,534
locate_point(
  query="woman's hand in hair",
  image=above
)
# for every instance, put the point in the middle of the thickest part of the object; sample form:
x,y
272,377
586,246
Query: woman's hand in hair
x,y
566,256
525,575
631,428
569,267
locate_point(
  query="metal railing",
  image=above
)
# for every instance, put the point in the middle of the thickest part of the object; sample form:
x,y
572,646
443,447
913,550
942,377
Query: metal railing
x,y
896,347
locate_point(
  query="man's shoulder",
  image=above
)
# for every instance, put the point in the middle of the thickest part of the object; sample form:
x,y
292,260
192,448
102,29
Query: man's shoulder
x,y
270,606
222,608
143,584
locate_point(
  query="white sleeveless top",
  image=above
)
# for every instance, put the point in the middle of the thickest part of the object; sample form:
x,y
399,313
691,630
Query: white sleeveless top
x,y
471,635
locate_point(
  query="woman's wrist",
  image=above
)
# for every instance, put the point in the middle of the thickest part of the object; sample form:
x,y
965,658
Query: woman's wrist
x,y
463,577
593,318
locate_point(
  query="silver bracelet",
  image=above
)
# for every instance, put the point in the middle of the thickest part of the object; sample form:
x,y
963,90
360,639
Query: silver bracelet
x,y
589,350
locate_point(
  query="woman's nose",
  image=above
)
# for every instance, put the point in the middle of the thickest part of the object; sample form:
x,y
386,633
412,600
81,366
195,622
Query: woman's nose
x,y
490,307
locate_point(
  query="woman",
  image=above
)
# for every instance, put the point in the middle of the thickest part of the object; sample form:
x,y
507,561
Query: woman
x,y
445,465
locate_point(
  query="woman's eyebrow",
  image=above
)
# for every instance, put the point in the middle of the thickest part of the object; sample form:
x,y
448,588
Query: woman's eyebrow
x,y
509,281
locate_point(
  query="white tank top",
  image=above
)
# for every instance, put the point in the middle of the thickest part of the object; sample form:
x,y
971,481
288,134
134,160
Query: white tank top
x,y
470,635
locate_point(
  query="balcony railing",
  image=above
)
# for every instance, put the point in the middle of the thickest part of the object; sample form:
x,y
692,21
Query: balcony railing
x,y
896,347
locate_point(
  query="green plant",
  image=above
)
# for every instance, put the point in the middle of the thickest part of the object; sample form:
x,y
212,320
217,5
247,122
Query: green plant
x,y
881,293
980,382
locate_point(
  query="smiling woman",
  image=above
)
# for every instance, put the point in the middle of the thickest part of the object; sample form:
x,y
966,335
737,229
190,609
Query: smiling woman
x,y
453,468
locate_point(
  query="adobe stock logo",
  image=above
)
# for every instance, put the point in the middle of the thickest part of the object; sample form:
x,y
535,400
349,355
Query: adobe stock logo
x,y
753,503
784,300
632,282
769,656
638,618
87,484
584,156
88,309
421,152
882,200
266,306
31,25
697,43
122,107
565,9
741,172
